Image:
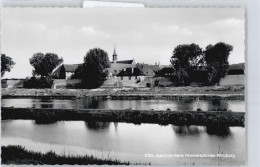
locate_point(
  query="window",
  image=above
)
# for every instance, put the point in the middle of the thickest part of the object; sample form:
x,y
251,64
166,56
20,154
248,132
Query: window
x,y
135,77
122,78
129,77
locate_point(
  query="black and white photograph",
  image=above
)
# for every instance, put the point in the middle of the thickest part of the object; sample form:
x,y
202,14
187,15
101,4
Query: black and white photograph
x,y
123,86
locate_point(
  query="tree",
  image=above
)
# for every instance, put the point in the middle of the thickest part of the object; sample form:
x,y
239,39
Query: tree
x,y
6,64
216,60
44,64
183,58
95,68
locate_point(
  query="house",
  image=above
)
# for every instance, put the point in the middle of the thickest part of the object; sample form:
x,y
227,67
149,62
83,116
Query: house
x,y
117,66
235,75
12,83
141,74
65,71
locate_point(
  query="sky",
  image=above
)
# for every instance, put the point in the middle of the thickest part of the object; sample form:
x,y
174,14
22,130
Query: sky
x,y
147,35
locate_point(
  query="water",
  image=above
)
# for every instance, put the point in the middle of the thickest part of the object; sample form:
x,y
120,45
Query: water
x,y
129,142
175,105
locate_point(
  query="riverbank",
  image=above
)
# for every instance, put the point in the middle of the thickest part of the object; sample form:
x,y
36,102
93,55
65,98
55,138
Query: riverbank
x,y
20,156
228,92
203,118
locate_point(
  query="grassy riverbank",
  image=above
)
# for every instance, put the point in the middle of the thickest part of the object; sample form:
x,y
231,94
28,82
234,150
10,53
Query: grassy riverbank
x,y
19,155
175,91
204,118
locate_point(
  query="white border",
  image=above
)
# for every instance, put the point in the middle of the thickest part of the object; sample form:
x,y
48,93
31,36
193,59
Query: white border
x,y
252,42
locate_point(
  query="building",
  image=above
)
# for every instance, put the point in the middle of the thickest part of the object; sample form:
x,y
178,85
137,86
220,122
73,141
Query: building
x,y
117,66
65,71
235,75
119,70
139,75
12,83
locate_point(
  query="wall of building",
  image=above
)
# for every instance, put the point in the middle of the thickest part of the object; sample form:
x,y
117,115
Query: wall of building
x,y
66,83
126,82
233,80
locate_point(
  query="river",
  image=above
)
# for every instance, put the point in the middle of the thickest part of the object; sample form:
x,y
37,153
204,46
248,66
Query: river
x,y
129,142
98,103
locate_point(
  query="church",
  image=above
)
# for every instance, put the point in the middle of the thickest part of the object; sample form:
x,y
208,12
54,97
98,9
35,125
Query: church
x,y
66,71
121,73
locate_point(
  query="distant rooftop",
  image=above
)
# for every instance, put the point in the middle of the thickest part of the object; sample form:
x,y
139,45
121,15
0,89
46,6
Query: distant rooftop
x,y
125,61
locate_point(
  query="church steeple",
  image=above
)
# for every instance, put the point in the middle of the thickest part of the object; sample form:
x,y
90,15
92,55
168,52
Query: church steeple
x,y
114,55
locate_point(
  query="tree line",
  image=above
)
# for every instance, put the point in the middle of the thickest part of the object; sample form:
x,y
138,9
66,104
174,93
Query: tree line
x,y
93,73
186,57
189,57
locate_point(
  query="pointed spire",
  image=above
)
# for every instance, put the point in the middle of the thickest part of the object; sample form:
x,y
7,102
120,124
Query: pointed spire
x,y
114,49
114,54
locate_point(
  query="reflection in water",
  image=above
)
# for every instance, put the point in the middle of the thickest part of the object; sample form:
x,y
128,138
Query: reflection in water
x,y
98,126
185,104
127,142
191,104
186,130
45,121
219,104
116,126
221,131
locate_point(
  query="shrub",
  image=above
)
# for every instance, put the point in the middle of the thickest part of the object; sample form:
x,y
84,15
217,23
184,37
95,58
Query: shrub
x,y
38,83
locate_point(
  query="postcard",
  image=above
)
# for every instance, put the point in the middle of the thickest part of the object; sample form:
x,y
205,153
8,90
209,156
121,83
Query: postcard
x,y
123,86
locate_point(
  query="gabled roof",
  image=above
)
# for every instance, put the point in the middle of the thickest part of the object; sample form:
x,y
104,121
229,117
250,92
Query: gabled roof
x,y
131,72
125,61
146,69
115,68
71,67
139,70
67,67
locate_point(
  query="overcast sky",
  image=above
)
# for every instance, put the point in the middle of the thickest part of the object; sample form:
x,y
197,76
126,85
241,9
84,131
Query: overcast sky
x,y
146,35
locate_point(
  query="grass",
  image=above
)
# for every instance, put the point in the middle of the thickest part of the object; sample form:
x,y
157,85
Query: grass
x,y
15,154
115,92
203,118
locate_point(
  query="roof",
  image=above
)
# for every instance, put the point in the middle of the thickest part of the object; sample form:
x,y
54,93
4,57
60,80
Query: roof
x,y
131,72
71,67
125,61
115,68
139,70
236,69
67,67
155,68
237,66
146,69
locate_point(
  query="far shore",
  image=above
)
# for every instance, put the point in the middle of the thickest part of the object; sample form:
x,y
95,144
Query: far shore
x,y
154,92
203,118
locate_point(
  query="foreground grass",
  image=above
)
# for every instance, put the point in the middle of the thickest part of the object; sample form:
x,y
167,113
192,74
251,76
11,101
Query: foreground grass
x,y
81,93
19,155
204,118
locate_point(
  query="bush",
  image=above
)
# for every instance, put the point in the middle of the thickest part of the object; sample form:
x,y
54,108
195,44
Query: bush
x,y
38,83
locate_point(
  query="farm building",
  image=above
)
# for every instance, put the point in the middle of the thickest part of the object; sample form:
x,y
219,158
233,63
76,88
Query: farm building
x,y
235,75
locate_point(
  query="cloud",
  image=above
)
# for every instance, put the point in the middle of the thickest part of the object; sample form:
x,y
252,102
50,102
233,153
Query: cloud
x,y
147,35
88,30
39,27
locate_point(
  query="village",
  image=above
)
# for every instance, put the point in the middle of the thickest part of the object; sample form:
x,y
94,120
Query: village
x,y
129,73
110,86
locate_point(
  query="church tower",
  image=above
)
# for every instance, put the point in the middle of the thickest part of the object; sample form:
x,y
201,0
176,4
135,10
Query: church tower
x,y
114,55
